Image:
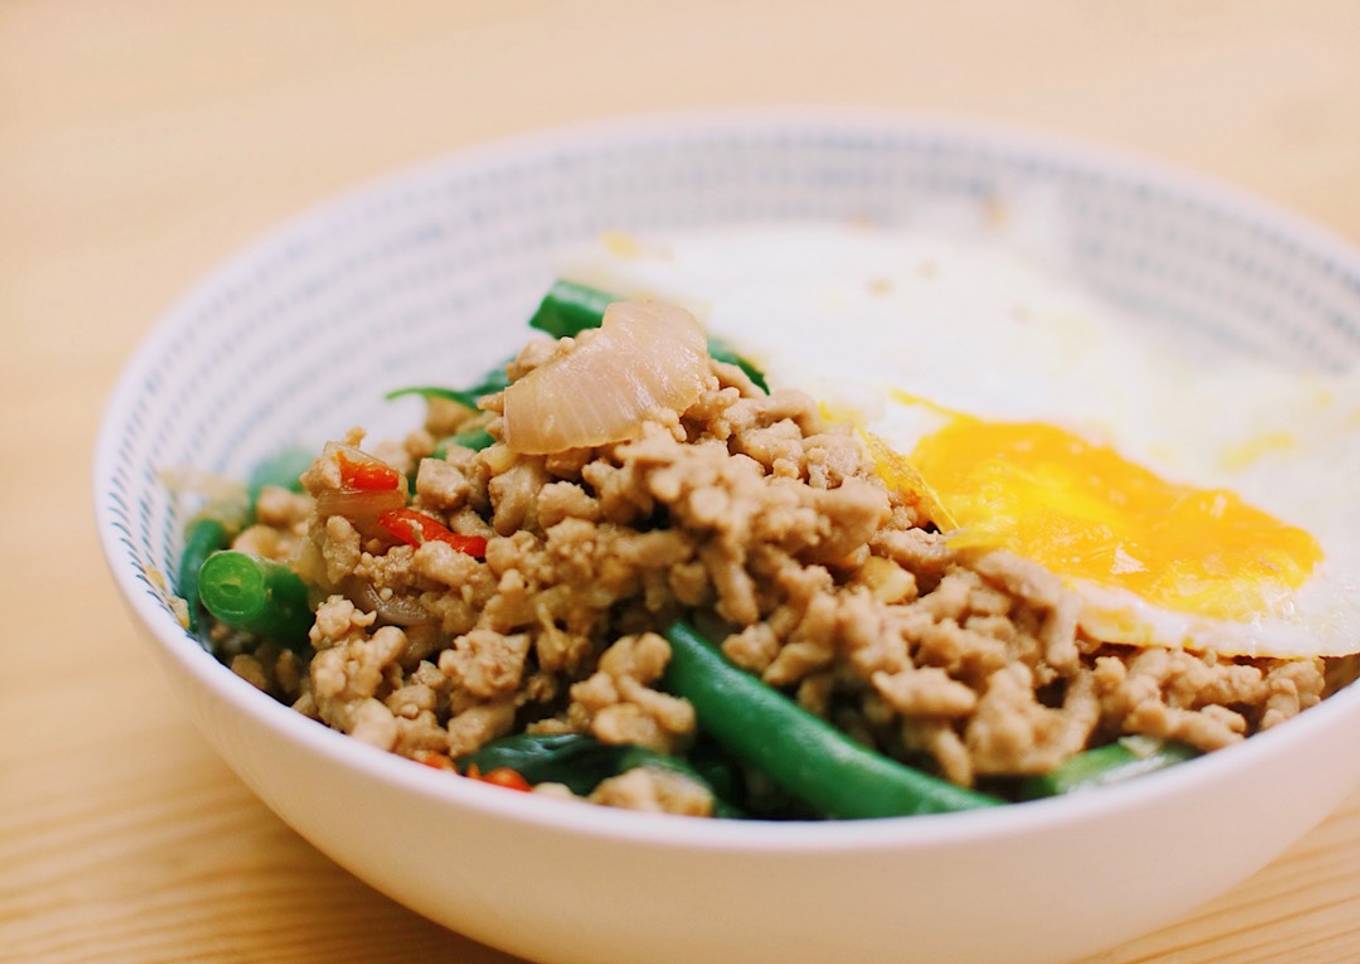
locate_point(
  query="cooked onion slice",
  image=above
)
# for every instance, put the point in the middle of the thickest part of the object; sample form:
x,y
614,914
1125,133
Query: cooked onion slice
x,y
397,610
646,356
379,488
361,508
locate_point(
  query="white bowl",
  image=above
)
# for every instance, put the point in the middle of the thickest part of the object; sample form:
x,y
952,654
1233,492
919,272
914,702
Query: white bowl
x,y
429,275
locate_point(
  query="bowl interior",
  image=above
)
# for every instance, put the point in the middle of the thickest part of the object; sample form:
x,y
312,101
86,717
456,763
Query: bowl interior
x,y
429,275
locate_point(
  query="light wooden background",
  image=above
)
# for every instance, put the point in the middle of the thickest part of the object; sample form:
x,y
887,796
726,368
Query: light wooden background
x,y
142,142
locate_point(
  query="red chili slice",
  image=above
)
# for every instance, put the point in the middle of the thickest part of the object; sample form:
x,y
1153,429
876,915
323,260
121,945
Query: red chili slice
x,y
500,777
431,759
416,528
367,476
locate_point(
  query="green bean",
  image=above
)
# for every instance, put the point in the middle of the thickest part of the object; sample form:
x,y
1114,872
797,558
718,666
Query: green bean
x,y
213,528
569,309
256,595
204,535
473,438
803,754
1113,763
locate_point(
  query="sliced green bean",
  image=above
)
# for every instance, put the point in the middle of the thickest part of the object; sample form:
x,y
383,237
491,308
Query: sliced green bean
x,y
570,308
204,535
256,595
1113,763
802,753
213,528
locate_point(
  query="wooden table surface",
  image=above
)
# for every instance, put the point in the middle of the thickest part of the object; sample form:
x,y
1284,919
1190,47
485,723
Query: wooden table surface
x,y
142,142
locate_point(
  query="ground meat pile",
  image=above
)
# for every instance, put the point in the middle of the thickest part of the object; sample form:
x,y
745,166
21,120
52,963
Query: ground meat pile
x,y
774,529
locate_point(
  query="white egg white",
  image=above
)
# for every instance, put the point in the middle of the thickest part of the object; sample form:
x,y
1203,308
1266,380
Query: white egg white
x,y
849,314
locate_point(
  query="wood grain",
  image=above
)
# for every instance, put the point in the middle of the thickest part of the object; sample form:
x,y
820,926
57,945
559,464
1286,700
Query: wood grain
x,y
142,142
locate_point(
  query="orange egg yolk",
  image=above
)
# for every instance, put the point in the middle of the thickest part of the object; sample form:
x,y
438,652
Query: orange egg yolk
x,y
1085,512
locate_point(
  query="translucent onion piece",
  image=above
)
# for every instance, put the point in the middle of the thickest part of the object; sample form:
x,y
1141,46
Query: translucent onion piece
x,y
360,508
396,611
646,356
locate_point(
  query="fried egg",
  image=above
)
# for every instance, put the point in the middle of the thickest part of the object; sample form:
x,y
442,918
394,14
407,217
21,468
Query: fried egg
x,y
1187,497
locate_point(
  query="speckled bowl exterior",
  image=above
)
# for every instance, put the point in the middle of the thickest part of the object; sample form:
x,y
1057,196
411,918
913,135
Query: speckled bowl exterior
x,y
428,276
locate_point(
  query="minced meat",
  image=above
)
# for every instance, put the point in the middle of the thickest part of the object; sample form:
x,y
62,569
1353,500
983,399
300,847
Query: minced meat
x,y
834,589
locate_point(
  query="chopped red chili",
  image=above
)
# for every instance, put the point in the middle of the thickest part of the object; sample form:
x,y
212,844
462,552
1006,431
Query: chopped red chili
x,y
416,528
431,759
367,476
501,777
